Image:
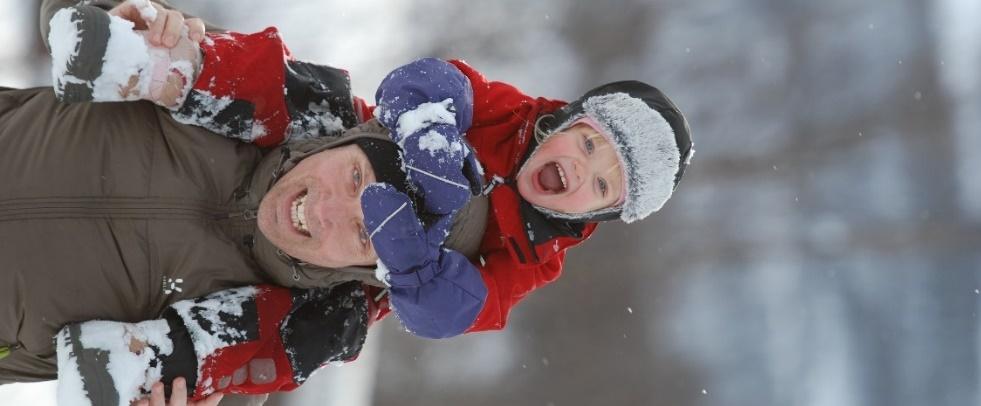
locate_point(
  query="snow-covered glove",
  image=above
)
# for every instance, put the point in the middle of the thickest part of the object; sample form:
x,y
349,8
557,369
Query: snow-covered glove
x,y
114,363
249,340
263,339
428,106
435,291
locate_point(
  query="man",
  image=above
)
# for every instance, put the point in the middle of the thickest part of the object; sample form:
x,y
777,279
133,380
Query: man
x,y
116,212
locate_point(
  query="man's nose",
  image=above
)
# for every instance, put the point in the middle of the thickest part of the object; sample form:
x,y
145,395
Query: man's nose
x,y
341,207
351,207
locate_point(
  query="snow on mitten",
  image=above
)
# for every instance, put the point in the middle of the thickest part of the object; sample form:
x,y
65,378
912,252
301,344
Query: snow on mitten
x,y
435,164
110,363
428,106
419,85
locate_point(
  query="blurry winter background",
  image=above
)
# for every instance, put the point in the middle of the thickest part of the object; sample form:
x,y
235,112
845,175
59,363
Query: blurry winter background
x,y
824,249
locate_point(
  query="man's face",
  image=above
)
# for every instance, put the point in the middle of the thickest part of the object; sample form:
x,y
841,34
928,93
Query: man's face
x,y
313,213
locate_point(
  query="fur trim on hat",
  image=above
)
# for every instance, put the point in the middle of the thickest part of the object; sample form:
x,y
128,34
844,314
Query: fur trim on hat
x,y
646,146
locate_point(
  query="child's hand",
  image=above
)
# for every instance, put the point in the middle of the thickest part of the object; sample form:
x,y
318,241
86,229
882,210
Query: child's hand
x,y
435,291
396,232
165,26
437,165
422,88
177,398
428,106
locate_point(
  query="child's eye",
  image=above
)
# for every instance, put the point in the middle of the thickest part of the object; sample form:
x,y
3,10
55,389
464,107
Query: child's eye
x,y
602,186
357,177
589,146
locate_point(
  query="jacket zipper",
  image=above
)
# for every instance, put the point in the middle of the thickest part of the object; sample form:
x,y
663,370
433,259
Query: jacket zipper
x,y
248,214
135,208
496,180
120,208
293,263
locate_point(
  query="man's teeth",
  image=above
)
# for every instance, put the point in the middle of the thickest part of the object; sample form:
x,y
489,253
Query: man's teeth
x,y
299,215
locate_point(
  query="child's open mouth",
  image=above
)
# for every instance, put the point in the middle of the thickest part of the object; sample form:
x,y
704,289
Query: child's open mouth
x,y
552,178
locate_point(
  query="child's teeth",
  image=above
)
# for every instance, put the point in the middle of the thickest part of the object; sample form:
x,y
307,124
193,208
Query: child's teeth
x,y
561,176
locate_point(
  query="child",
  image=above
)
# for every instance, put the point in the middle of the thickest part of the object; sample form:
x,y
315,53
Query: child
x,y
554,171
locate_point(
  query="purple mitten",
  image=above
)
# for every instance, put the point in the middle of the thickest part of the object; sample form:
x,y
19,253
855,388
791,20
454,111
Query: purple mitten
x,y
428,106
436,292
423,84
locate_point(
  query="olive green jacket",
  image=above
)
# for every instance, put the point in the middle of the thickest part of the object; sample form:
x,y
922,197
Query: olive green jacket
x,y
114,211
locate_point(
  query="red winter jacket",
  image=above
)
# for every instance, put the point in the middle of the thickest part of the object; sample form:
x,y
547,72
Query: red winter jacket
x,y
522,250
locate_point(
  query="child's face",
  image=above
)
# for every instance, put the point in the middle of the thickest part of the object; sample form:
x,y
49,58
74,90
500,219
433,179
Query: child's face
x,y
573,171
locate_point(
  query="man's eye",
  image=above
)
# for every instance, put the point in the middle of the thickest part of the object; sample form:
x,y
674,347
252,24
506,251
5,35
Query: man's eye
x,y
357,177
589,146
602,186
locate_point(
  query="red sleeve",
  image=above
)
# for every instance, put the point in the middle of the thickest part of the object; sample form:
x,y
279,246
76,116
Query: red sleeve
x,y
503,120
493,102
508,283
252,89
278,338
253,366
364,110
246,72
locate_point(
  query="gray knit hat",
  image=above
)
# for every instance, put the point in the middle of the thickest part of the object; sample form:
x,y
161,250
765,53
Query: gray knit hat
x,y
651,138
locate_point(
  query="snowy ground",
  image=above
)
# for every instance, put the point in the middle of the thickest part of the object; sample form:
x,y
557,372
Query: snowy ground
x,y
37,394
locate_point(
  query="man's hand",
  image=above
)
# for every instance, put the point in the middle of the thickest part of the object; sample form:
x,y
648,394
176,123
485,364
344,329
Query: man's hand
x,y
177,398
164,26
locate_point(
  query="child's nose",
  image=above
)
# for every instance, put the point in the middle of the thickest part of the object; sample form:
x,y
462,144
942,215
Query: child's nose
x,y
579,169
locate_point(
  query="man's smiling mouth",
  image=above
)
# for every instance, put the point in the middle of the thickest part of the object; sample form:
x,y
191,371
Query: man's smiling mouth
x,y
298,214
